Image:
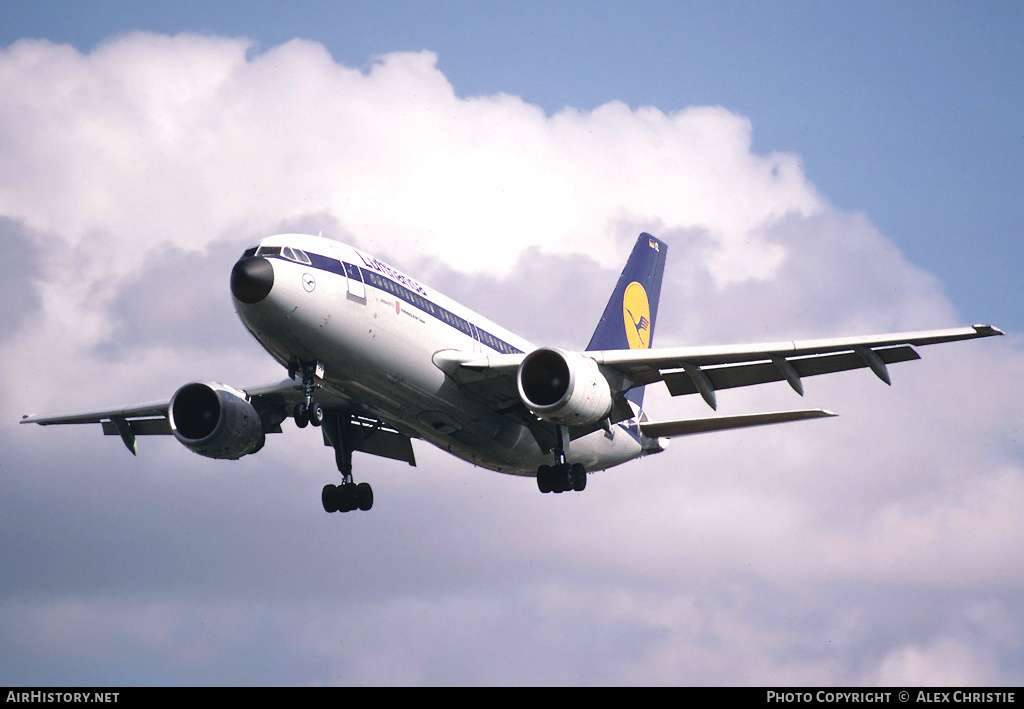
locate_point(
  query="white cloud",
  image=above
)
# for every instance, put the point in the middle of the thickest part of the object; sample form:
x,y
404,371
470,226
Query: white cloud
x,y
153,139
134,174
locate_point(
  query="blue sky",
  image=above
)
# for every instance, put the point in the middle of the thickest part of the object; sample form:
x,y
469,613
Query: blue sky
x,y
816,169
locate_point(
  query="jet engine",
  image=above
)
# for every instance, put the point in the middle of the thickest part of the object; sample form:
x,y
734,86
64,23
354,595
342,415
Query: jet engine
x,y
215,421
563,387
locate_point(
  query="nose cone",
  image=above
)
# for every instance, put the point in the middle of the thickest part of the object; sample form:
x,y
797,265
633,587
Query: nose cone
x,y
251,279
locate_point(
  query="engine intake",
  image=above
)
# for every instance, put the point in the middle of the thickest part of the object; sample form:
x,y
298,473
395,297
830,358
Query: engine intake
x,y
215,421
563,387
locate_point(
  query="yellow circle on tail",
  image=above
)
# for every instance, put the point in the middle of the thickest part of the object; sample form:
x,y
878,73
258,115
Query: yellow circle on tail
x,y
636,316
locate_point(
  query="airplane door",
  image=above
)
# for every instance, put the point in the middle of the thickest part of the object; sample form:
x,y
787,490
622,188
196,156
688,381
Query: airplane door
x,y
356,287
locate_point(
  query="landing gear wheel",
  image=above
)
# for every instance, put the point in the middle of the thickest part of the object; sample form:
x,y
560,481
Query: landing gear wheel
x,y
558,473
316,413
579,477
544,478
329,497
347,498
301,415
364,496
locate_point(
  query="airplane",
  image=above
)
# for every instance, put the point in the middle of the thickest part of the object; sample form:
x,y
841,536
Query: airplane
x,y
375,359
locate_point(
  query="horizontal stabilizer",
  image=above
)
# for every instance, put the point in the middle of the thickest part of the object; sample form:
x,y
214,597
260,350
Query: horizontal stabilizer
x,y
685,427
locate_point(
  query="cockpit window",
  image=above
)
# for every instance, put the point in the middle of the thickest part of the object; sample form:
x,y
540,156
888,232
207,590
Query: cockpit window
x,y
295,255
284,251
249,252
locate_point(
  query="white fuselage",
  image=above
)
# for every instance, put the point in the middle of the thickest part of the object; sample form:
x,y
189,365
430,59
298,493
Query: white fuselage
x,y
376,332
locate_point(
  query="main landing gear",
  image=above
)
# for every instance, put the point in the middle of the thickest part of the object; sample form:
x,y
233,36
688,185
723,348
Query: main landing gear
x,y
562,476
339,432
347,497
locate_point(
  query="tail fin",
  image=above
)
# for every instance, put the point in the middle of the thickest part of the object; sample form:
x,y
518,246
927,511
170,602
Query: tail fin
x,y
628,319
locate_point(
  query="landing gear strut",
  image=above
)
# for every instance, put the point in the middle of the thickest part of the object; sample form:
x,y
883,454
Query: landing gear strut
x,y
561,476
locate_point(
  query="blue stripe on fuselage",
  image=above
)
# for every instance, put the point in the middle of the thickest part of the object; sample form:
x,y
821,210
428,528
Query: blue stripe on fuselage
x,y
418,300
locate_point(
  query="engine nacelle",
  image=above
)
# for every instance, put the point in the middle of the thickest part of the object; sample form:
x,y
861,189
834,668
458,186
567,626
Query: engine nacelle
x,y
215,421
563,387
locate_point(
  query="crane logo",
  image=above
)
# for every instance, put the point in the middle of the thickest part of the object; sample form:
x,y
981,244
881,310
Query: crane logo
x,y
636,316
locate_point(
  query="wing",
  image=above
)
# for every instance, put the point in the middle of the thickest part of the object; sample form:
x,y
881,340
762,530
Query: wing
x,y
271,401
126,421
152,418
705,370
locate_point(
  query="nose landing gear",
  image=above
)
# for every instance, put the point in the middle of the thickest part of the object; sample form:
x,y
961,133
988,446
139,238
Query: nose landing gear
x,y
309,411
